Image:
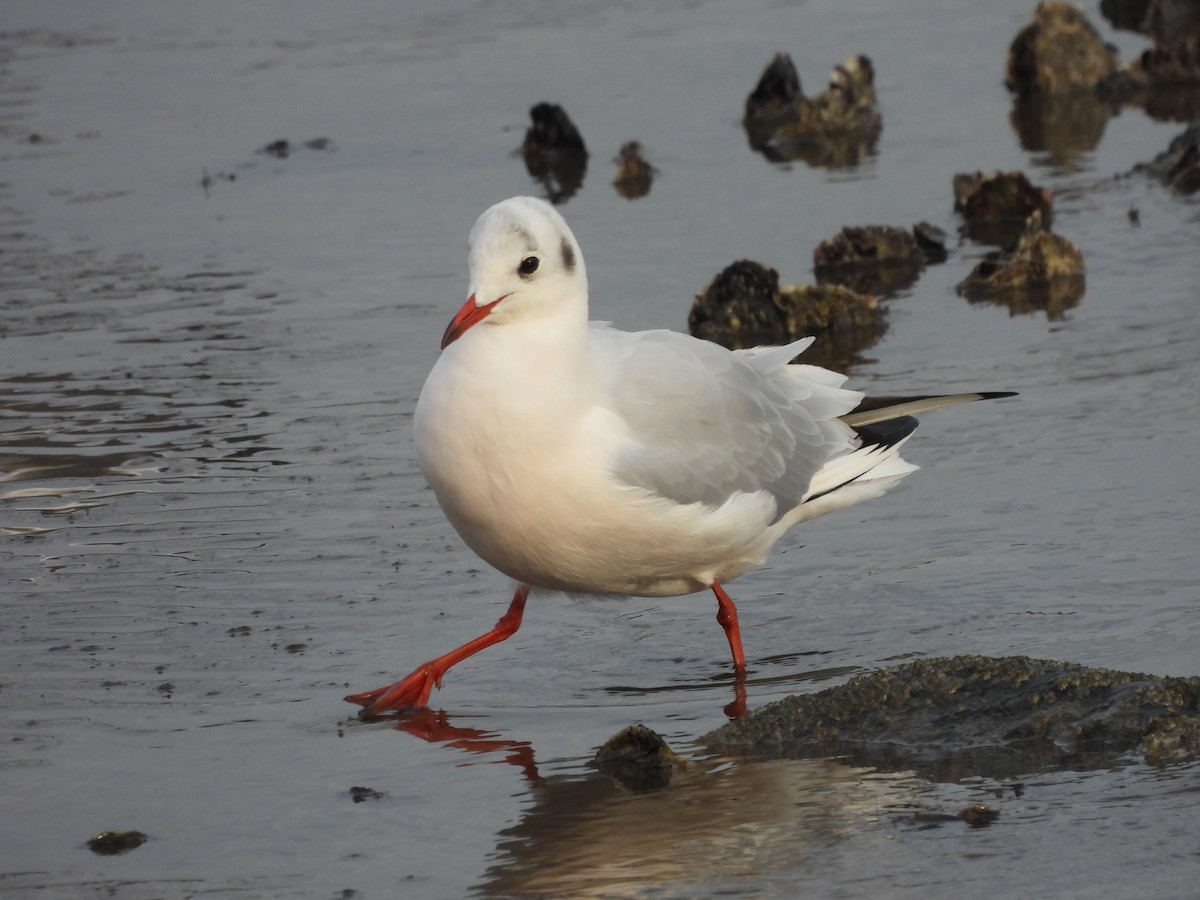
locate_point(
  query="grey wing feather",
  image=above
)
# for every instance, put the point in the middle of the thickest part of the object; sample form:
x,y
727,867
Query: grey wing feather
x,y
705,423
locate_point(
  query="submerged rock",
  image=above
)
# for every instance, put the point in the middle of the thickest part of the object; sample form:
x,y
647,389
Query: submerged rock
x,y
977,716
637,758
554,153
877,259
634,174
996,206
978,815
1179,165
745,306
837,128
115,843
1040,271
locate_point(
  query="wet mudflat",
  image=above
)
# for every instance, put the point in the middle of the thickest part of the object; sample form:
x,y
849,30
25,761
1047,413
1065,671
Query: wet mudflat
x,y
212,526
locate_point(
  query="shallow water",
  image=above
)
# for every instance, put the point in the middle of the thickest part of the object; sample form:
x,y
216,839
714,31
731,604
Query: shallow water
x,y
213,526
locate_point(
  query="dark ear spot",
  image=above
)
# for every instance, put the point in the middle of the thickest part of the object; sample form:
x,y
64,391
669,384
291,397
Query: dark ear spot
x,y
568,256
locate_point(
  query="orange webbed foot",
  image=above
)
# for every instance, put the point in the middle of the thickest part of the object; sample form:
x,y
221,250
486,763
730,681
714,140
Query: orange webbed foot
x,y
411,692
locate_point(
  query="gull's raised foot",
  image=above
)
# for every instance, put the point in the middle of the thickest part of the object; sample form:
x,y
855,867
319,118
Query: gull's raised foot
x,y
411,692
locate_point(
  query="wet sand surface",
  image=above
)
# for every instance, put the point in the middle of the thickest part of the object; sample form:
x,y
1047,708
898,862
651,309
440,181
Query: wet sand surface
x,y
212,526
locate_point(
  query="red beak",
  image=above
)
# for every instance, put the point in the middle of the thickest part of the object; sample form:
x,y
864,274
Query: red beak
x,y
468,315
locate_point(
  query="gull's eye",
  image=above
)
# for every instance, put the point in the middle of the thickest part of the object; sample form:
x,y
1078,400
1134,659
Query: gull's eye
x,y
528,266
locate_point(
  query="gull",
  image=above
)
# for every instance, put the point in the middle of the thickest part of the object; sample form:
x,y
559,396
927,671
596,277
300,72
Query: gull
x,y
579,458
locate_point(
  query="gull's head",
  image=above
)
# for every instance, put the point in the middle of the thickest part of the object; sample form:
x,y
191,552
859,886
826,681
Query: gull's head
x,y
524,263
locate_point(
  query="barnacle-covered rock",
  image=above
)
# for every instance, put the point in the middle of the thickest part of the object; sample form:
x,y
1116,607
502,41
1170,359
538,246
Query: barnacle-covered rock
x,y
837,128
978,716
1041,271
996,206
745,306
877,259
1059,52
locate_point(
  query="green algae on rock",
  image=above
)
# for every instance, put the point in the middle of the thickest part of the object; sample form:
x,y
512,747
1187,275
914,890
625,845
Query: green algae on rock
x,y
950,718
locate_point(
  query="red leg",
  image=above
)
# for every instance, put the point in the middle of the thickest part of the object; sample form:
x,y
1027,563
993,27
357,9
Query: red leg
x,y
728,617
414,690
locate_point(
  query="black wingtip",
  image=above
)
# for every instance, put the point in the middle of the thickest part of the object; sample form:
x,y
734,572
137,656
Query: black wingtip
x,y
996,395
887,433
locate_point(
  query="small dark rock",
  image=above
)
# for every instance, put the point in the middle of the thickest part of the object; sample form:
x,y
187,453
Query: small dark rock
x,y
931,240
280,149
554,152
634,174
283,148
114,843
208,181
637,758
361,794
978,815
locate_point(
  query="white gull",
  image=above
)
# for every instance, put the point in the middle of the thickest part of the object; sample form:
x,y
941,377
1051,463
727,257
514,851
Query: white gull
x,y
576,457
